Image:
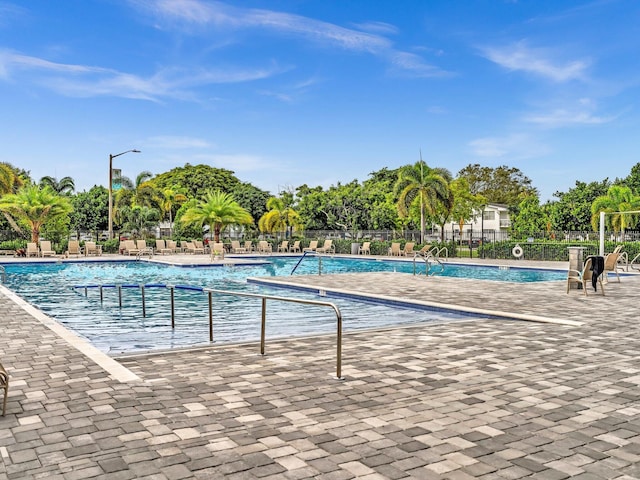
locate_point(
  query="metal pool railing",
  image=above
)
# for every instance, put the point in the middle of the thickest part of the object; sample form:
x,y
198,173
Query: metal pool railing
x,y
3,274
210,292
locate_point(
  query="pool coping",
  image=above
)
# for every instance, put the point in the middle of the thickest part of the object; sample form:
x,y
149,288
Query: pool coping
x,y
324,291
115,369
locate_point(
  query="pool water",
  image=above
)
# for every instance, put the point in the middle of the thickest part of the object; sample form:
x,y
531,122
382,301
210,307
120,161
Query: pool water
x,y
114,329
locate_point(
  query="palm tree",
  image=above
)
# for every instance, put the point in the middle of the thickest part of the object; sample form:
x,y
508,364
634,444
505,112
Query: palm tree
x,y
35,206
64,186
218,210
423,184
279,217
618,200
169,198
139,220
10,182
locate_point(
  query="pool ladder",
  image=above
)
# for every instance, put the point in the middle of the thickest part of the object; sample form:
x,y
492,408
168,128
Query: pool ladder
x,y
210,292
430,261
304,255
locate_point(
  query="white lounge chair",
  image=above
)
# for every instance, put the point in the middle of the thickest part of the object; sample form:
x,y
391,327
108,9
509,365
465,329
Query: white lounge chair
x,y
45,249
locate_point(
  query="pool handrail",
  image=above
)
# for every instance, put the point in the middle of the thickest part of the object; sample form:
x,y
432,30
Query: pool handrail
x,y
4,274
210,291
303,257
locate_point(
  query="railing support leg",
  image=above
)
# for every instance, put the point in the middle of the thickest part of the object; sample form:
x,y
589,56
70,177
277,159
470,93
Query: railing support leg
x,y
173,309
120,296
211,316
339,348
264,325
101,295
144,306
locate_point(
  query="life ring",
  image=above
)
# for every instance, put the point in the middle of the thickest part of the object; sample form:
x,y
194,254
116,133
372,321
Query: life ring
x,y
517,251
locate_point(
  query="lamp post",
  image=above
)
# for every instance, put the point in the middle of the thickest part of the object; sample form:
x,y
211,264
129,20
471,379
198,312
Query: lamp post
x,y
111,157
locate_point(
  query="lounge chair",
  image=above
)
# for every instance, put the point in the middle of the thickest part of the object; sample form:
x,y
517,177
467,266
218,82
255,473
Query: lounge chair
x,y
425,250
91,248
584,278
284,246
264,247
162,249
365,249
394,249
611,263
46,250
32,250
313,246
173,246
130,248
327,247
295,247
217,250
408,249
236,248
74,248
248,246
200,246
143,249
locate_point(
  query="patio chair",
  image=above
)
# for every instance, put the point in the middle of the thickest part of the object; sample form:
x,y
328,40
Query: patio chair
x,y
585,278
327,247
143,249
200,246
408,249
284,246
173,246
365,249
91,248
130,248
295,247
248,246
74,248
45,249
32,250
162,249
394,249
611,263
236,248
313,246
217,250
264,247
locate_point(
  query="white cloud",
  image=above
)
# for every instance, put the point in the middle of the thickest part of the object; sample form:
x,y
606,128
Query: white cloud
x,y
223,16
88,81
515,146
537,61
562,117
177,142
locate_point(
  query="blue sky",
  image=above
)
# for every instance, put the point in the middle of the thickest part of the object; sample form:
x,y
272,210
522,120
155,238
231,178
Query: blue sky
x,y
288,92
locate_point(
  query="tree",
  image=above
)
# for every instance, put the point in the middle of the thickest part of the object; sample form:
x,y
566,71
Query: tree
x,y
279,217
531,217
572,210
10,182
35,206
425,185
139,220
169,199
218,210
617,201
196,180
463,207
64,186
505,185
90,210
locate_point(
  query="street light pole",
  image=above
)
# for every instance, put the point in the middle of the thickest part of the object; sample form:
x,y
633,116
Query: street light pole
x,y
111,157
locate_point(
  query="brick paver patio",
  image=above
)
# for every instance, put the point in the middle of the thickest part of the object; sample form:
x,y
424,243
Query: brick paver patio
x,y
484,398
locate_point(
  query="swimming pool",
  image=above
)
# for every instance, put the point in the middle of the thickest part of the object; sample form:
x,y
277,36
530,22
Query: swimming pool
x,y
114,329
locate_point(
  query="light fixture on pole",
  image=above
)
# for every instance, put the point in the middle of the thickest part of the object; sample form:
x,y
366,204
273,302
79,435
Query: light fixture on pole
x,y
111,157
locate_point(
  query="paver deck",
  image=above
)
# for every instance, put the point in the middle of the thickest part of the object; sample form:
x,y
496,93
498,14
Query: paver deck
x,y
484,398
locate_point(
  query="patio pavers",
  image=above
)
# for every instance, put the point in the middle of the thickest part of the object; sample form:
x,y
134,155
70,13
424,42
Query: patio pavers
x,y
482,398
